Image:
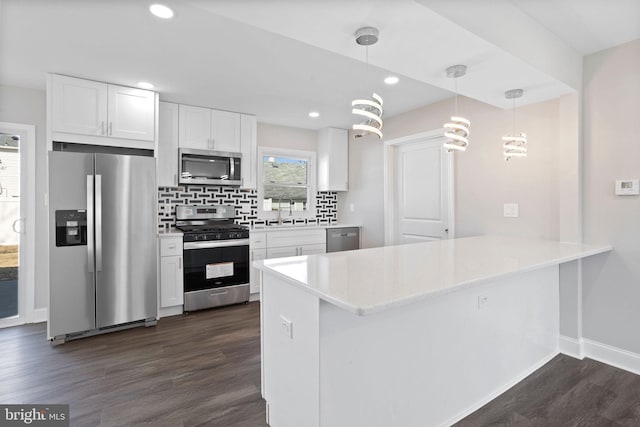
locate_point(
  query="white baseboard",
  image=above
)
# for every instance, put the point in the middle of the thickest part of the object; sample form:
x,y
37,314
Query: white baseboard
x,y
254,297
497,392
571,347
613,356
39,315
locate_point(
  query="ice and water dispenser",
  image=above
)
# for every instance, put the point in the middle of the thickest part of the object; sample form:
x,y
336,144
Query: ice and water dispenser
x,y
71,228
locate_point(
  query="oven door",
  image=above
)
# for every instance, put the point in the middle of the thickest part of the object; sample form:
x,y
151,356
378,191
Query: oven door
x,y
215,264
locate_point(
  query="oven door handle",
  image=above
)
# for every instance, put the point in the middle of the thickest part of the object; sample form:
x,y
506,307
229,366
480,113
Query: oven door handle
x,y
215,244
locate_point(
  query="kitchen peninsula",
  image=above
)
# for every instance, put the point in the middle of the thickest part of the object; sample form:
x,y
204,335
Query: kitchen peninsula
x,y
410,335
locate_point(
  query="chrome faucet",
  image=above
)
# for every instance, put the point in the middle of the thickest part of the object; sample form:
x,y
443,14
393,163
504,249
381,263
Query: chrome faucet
x,y
280,208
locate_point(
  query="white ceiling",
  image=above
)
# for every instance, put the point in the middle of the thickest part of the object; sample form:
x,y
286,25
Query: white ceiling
x,y
280,59
588,26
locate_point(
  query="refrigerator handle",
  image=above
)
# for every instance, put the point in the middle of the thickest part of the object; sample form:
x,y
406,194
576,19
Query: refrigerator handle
x,y
98,222
90,231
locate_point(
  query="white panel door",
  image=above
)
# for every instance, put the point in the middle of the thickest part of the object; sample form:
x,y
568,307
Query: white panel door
x,y
131,113
79,106
171,281
225,131
195,127
422,192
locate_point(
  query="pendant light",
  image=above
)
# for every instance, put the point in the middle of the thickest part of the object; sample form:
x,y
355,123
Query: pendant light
x,y
514,145
457,131
368,111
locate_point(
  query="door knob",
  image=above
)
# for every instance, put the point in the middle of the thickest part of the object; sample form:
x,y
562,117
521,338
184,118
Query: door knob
x,y
17,230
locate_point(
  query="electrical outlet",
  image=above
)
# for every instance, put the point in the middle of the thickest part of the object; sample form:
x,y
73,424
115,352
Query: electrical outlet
x,y
287,327
483,302
510,210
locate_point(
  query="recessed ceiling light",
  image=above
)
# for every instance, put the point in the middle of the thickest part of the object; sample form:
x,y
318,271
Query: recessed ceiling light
x,y
391,80
161,11
314,114
145,85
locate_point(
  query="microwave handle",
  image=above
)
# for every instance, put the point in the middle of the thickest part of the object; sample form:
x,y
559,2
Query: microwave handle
x,y
232,168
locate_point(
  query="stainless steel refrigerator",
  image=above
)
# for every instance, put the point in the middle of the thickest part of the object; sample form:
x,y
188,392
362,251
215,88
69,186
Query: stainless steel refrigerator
x,y
102,242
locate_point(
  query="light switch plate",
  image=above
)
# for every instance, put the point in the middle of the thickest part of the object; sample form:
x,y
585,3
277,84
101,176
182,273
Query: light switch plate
x,y
287,327
510,210
627,187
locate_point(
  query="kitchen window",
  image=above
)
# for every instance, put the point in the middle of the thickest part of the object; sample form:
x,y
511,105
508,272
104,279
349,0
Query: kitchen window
x,y
287,183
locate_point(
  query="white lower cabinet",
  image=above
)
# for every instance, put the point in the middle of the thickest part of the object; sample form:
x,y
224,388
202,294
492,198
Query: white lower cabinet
x,y
284,243
282,252
313,249
171,272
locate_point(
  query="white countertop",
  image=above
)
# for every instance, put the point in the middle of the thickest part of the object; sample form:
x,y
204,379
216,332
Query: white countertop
x,y
367,281
170,232
301,227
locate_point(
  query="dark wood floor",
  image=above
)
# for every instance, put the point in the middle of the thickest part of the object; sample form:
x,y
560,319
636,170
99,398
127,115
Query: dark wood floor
x,y
204,370
566,392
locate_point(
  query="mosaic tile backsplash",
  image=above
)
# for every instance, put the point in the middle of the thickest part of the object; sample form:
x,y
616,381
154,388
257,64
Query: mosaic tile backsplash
x,y
245,202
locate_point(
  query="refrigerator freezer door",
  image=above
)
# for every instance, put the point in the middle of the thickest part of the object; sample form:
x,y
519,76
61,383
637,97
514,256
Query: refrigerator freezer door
x,y
126,254
71,287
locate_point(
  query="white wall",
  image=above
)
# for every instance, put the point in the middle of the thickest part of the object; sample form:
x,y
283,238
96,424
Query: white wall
x,y
28,106
286,137
611,132
483,180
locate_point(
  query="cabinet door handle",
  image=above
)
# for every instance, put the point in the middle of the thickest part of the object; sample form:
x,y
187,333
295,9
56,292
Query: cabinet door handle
x,y
175,179
180,263
102,128
110,128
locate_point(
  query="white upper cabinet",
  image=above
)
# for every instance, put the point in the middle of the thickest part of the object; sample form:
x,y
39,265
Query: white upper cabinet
x,y
249,150
89,112
207,129
131,113
195,127
225,131
167,153
333,159
79,106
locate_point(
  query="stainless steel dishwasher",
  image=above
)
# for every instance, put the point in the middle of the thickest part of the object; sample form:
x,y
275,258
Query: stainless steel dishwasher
x,y
343,239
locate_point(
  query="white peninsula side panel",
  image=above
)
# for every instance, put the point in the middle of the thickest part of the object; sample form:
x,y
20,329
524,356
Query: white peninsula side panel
x,y
290,354
424,364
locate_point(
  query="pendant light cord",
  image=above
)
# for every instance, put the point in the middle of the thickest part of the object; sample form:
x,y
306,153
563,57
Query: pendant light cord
x,y
366,55
455,83
513,109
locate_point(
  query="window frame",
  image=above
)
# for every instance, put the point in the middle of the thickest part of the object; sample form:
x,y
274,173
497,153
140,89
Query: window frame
x,y
310,158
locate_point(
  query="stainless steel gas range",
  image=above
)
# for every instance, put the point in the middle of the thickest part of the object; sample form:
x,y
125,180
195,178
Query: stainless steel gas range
x,y
216,256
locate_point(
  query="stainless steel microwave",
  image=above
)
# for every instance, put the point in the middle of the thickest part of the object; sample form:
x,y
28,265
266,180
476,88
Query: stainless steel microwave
x,y
209,167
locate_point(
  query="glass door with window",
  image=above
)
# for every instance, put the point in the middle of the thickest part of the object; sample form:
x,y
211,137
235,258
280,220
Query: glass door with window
x,y
10,222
